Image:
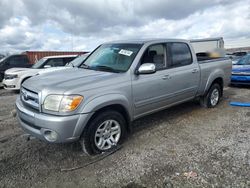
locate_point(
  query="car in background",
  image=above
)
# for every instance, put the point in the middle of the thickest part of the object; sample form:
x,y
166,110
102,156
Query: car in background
x,y
241,71
13,61
236,56
28,58
14,77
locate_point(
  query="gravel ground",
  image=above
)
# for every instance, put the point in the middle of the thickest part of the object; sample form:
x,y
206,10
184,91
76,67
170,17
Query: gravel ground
x,y
184,146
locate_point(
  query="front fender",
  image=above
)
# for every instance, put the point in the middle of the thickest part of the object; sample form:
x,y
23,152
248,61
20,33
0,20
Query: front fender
x,y
102,101
22,78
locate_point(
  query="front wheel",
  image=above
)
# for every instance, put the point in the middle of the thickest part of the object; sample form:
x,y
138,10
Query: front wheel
x,y
103,133
212,98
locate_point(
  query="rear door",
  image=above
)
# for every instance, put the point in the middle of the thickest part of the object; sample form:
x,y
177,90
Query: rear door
x,y
183,71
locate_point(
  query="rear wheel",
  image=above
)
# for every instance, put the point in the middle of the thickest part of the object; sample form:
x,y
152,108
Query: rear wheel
x,y
212,98
103,133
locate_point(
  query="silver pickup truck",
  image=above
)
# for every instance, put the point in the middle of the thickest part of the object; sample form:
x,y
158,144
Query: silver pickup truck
x,y
119,82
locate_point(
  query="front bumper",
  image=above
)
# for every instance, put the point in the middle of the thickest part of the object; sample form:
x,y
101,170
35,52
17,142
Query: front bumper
x,y
240,79
11,84
68,128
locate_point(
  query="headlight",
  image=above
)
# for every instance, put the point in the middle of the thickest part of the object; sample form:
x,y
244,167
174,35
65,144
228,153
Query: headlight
x,y
60,103
10,76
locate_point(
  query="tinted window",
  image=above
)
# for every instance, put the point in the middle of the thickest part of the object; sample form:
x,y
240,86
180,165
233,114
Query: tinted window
x,y
18,60
180,54
68,59
55,62
155,54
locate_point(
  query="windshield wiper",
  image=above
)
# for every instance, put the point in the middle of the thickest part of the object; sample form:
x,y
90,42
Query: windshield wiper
x,y
84,66
71,64
107,68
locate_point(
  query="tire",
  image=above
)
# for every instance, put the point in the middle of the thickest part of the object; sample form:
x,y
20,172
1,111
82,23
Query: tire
x,y
213,96
99,131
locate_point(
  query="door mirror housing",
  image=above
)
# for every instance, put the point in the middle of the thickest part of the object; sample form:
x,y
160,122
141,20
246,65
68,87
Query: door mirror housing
x,y
147,68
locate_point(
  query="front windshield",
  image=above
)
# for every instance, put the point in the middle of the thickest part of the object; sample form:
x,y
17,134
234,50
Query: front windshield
x,y
112,57
77,61
244,60
38,64
1,60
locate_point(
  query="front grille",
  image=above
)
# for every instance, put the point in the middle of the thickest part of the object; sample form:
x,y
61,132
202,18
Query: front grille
x,y
29,98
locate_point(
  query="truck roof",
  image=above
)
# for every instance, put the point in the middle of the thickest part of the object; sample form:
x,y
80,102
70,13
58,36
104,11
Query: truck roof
x,y
143,41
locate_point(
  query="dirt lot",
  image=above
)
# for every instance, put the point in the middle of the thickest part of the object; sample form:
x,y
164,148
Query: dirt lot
x,y
212,143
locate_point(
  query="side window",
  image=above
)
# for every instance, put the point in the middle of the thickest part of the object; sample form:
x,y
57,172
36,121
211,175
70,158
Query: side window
x,y
18,61
180,54
56,62
155,54
67,59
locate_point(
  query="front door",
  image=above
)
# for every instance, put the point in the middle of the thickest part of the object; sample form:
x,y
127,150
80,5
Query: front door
x,y
149,90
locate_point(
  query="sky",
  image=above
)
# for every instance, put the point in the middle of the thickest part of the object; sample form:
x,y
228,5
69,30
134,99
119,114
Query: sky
x,y
84,24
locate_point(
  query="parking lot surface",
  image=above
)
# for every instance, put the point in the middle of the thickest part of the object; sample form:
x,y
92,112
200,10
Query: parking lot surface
x,y
184,146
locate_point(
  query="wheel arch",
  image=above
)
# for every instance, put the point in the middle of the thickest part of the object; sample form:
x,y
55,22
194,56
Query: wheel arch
x,y
218,78
97,105
116,107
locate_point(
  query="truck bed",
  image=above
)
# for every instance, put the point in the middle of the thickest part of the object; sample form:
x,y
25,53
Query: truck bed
x,y
221,66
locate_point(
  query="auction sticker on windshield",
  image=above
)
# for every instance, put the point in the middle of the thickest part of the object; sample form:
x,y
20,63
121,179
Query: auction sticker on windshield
x,y
125,52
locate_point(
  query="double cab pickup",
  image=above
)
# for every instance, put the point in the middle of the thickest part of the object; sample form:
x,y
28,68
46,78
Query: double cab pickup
x,y
119,82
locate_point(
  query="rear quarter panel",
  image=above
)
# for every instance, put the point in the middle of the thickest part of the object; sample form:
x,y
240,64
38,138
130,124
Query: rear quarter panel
x,y
213,69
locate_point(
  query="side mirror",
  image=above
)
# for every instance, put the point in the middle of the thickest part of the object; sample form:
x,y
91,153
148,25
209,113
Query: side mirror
x,y
47,66
147,68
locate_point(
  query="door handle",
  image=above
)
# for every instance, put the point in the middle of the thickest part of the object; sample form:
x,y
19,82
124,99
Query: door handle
x,y
195,70
166,77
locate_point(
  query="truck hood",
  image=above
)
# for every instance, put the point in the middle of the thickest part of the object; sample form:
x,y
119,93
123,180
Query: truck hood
x,y
72,81
30,71
241,68
17,70
52,69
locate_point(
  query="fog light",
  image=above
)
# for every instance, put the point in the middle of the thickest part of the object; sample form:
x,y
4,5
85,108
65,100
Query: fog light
x,y
51,136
